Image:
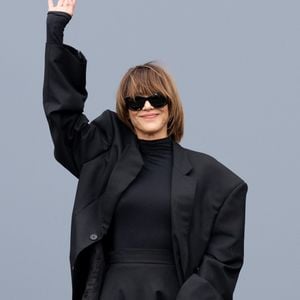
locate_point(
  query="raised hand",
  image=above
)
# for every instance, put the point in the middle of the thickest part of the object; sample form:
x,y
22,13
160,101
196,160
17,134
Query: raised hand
x,y
67,6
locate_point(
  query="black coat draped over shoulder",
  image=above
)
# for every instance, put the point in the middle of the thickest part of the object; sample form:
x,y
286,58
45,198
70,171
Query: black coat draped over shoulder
x,y
207,199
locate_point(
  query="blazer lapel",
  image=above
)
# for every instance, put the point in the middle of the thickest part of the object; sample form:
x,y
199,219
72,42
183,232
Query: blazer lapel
x,y
125,171
97,216
182,200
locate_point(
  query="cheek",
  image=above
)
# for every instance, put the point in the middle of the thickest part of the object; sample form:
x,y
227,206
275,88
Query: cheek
x,y
166,114
132,117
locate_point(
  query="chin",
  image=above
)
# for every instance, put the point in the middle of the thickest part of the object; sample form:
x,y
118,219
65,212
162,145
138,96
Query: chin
x,y
151,130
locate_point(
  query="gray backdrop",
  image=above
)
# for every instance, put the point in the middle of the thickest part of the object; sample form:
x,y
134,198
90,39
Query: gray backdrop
x,y
236,64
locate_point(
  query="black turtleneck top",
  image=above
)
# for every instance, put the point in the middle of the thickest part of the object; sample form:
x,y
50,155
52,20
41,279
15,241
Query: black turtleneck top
x,y
142,218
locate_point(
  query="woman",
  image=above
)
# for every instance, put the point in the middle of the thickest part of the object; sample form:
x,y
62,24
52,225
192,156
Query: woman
x,y
151,219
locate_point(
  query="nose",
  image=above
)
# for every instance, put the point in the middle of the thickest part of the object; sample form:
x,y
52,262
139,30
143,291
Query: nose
x,y
147,105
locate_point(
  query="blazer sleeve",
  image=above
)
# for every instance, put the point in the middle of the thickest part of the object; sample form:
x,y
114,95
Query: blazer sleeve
x,y
216,276
75,139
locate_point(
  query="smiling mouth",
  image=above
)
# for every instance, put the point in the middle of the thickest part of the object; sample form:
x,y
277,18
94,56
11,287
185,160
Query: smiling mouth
x,y
149,116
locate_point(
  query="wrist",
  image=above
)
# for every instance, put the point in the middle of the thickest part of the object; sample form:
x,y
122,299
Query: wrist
x,y
56,23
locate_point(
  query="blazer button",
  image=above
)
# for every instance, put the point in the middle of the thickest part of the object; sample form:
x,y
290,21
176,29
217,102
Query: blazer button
x,y
93,236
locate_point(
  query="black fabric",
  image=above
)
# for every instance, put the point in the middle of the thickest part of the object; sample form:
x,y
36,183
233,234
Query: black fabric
x,y
56,23
147,274
142,218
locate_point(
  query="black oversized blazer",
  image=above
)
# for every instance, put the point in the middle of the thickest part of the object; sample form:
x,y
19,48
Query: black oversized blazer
x,y
207,198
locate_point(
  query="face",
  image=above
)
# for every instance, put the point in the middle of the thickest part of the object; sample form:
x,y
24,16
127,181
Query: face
x,y
150,123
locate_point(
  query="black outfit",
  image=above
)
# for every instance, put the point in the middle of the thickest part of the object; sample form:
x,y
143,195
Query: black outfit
x,y
140,262
193,249
139,247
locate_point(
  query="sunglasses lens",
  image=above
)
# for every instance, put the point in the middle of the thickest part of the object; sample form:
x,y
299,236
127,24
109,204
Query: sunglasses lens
x,y
135,104
138,102
158,101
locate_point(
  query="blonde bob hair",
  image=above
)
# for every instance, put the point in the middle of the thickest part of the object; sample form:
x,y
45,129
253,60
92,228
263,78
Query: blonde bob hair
x,y
148,79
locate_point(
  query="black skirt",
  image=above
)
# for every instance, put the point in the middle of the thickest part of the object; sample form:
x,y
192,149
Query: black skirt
x,y
140,274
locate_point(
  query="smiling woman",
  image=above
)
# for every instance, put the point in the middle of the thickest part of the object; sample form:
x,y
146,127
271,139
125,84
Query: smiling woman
x,y
151,220
163,107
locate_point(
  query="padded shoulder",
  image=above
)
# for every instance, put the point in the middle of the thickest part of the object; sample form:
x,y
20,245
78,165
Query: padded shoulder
x,y
213,171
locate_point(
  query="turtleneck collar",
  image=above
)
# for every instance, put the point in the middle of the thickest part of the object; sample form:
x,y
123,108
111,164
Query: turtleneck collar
x,y
152,146
157,141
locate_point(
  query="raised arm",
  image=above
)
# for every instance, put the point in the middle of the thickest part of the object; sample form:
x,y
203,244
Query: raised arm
x,y
75,139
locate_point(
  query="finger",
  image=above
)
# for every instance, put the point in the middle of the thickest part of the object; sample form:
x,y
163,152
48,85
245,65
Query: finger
x,y
60,2
70,2
50,4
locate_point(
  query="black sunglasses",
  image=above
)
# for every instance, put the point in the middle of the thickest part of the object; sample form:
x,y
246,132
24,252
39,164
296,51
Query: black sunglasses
x,y
138,102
